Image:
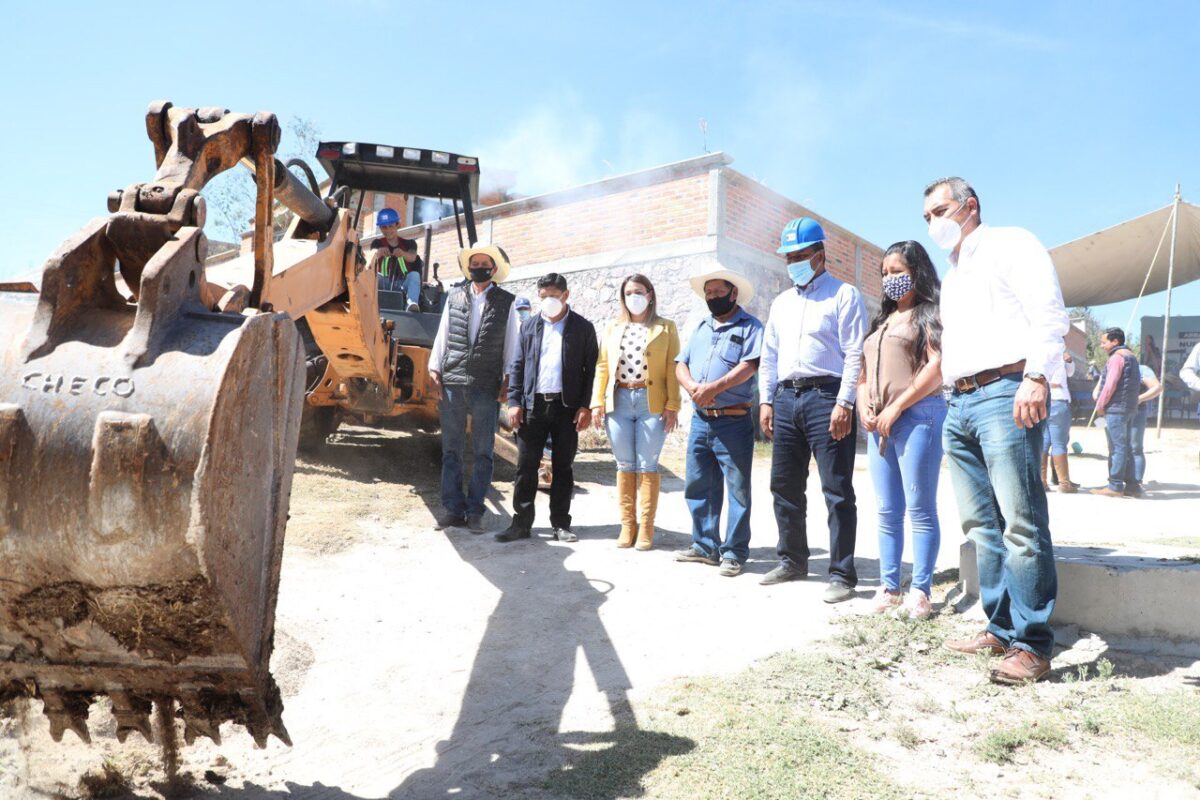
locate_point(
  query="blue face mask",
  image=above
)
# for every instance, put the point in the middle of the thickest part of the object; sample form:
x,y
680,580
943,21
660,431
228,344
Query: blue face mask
x,y
801,272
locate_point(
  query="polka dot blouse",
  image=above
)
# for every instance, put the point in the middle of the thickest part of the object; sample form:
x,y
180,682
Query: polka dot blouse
x,y
631,367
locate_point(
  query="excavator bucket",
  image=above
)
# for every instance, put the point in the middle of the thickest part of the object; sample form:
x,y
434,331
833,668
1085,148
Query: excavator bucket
x,y
146,456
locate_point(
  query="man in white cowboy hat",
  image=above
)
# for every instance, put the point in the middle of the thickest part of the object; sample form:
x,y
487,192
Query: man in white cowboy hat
x,y
477,337
716,368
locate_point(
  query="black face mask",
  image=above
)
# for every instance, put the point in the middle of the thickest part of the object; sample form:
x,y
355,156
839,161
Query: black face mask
x,y
720,306
480,274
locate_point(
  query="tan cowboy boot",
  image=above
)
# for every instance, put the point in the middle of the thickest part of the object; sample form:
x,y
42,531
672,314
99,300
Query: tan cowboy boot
x,y
1064,475
648,485
627,495
1045,463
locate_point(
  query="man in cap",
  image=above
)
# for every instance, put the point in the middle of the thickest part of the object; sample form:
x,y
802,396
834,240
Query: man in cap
x,y
476,339
550,384
1003,324
716,368
811,358
1116,399
395,259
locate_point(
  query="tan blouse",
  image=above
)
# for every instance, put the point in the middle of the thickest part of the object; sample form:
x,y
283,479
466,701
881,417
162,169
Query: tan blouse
x,y
887,360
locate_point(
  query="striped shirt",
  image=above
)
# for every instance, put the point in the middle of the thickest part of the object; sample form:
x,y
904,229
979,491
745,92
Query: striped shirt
x,y
813,332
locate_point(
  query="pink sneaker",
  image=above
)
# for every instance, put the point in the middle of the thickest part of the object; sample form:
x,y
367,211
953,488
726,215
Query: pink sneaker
x,y
886,601
918,605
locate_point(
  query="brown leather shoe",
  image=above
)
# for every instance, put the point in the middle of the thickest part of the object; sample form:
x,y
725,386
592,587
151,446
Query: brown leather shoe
x,y
1020,667
1107,492
984,642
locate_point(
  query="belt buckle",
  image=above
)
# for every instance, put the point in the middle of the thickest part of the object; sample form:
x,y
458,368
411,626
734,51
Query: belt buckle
x,y
970,382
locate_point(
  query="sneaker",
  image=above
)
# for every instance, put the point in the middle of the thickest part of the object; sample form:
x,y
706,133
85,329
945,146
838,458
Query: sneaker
x,y
565,535
413,307
838,592
475,523
918,605
511,534
449,519
886,601
692,554
1134,491
731,567
784,573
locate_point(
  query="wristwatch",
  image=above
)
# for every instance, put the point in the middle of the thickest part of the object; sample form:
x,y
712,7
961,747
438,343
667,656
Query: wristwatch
x,y
1036,376
846,404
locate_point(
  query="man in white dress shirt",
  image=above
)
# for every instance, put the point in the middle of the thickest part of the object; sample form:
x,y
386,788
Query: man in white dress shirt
x,y
811,356
1003,324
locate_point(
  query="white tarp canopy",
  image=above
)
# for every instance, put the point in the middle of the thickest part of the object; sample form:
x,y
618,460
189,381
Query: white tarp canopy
x,y
1113,264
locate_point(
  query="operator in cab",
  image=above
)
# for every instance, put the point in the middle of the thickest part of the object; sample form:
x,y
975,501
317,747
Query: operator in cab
x,y
395,259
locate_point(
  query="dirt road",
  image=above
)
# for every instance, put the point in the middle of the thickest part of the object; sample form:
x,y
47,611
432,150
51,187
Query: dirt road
x,y
417,663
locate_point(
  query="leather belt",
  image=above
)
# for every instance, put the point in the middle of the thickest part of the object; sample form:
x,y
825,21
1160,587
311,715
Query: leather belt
x,y
973,382
551,397
800,384
740,410
641,385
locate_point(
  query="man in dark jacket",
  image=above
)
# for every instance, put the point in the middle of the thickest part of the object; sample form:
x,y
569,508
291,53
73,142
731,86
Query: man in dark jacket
x,y
476,338
1117,399
549,384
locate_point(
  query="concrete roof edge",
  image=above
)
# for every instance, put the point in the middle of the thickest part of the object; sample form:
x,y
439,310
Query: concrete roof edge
x,y
630,180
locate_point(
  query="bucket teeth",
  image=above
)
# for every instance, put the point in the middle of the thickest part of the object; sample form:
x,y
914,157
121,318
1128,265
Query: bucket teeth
x,y
67,711
196,719
132,714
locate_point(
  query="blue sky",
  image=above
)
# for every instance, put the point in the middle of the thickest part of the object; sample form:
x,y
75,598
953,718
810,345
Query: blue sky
x,y
1067,117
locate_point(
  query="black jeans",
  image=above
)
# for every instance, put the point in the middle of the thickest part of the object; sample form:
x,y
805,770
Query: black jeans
x,y
546,420
801,432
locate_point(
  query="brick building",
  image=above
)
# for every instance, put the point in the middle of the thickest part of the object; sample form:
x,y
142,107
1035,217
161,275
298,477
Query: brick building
x,y
668,223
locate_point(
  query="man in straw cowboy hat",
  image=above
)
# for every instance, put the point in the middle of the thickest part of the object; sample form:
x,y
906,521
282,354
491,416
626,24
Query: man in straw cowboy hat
x,y
716,368
477,337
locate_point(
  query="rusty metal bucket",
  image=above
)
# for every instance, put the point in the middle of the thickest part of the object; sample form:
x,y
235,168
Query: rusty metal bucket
x,y
146,457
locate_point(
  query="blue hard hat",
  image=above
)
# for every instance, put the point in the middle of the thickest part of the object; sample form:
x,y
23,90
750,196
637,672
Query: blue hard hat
x,y
799,234
387,216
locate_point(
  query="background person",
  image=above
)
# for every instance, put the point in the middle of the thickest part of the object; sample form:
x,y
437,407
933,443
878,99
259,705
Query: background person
x,y
1117,401
550,383
1003,324
476,339
1058,430
1150,388
812,354
636,399
900,404
716,369
395,259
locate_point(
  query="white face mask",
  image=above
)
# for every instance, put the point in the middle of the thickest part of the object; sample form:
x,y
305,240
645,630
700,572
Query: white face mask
x,y
551,307
944,231
636,303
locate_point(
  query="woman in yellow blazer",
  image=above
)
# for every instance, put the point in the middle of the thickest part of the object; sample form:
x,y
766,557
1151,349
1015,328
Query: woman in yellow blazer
x,y
636,399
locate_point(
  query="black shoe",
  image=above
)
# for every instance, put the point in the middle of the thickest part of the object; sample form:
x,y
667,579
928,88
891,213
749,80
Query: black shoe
x,y
475,523
784,573
692,554
511,534
565,535
450,520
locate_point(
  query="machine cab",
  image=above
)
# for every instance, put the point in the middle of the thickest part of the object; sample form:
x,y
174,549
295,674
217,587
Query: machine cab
x,y
358,169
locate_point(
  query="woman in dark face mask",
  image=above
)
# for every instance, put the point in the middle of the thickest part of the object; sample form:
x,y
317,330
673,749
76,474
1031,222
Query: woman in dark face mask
x,y
900,404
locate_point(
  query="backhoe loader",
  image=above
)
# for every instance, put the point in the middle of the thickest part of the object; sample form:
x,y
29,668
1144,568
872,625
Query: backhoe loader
x,y
149,416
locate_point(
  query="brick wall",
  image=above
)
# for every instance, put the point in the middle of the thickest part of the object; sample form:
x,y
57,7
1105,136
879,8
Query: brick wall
x,y
756,215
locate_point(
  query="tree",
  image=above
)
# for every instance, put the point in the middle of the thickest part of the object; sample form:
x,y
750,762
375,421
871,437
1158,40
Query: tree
x,y
230,196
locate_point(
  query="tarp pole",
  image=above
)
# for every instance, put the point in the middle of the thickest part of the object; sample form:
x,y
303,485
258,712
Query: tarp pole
x,y
1167,319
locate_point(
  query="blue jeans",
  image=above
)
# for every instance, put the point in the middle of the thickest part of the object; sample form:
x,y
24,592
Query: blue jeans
x,y
720,453
459,402
636,435
1137,444
1118,428
1059,433
802,433
906,476
410,284
995,467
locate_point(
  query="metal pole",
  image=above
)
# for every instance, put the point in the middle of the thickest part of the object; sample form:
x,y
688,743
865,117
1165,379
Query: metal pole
x,y
1167,319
